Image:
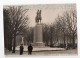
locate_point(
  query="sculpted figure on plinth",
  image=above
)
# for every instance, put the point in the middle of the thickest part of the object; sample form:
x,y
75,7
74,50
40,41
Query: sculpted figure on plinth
x,y
38,34
38,17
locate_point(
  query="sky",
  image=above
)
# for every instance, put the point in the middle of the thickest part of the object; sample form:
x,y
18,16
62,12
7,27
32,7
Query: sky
x,y
49,12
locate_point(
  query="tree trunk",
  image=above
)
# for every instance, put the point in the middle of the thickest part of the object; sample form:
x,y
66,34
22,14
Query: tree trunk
x,y
73,39
51,41
64,39
14,43
10,49
8,43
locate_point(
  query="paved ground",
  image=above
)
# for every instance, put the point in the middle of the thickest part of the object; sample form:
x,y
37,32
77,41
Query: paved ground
x,y
44,53
41,49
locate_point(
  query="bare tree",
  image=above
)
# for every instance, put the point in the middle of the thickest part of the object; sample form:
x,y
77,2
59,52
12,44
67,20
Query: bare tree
x,y
67,24
7,31
46,34
71,22
19,21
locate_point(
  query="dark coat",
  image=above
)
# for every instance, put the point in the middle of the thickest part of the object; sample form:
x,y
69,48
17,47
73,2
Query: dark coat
x,y
30,48
21,50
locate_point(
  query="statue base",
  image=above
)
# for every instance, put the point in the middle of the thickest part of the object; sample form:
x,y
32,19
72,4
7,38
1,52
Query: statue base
x,y
38,36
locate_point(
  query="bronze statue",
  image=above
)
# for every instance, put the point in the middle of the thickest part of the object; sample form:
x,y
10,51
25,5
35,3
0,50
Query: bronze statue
x,y
38,17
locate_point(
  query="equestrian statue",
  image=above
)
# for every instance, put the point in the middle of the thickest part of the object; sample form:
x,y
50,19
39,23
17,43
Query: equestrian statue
x,y
38,17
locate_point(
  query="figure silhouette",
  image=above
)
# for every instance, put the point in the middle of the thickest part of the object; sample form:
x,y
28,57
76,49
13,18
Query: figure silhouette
x,y
21,49
30,48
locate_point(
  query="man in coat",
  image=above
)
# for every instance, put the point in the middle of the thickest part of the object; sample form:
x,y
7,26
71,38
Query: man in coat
x,y
30,48
21,49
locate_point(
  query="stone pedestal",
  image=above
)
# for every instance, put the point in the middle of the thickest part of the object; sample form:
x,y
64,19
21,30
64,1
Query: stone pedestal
x,y
38,36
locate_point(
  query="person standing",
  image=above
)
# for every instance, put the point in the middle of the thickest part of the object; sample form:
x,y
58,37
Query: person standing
x,y
30,48
21,49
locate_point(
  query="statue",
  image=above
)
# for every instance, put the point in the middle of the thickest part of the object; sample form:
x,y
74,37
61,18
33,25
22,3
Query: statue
x,y
38,32
38,17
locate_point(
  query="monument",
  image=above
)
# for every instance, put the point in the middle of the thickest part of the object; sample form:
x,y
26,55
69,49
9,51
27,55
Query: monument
x,y
38,44
38,34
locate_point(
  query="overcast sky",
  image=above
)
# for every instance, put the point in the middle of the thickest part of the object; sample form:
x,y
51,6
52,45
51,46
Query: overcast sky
x,y
49,12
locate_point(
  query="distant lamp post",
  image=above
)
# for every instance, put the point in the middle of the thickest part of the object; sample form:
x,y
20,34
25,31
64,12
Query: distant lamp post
x,y
22,42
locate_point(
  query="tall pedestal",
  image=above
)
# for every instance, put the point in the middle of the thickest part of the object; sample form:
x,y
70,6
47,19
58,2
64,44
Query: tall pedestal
x,y
38,36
